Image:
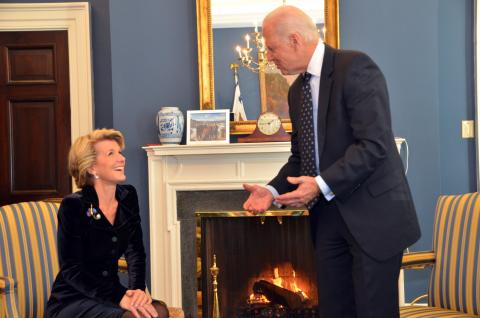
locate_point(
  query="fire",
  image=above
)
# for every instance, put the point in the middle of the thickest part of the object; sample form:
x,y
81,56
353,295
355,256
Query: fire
x,y
277,280
292,286
282,276
295,287
257,299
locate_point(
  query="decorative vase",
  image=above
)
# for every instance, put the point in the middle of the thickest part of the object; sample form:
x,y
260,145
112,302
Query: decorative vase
x,y
170,123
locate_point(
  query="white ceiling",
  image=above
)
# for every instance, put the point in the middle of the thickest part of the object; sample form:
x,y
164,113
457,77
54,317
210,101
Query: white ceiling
x,y
245,13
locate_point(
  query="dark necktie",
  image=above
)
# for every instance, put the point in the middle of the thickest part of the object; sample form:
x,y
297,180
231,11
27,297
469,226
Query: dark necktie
x,y
307,134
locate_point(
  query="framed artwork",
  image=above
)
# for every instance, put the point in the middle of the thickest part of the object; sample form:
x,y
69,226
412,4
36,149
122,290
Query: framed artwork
x,y
206,127
276,90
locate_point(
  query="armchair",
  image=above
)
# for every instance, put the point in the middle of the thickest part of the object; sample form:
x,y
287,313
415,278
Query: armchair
x,y
28,258
454,288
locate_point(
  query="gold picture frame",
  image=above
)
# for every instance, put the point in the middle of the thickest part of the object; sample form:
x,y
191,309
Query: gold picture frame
x,y
205,59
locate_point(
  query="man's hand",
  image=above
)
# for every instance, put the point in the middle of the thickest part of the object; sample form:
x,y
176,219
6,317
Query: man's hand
x,y
259,200
138,303
307,190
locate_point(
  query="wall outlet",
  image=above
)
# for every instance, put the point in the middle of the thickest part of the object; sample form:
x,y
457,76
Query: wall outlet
x,y
468,130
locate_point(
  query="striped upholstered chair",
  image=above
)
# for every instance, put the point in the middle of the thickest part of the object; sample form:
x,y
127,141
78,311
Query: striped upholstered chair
x,y
28,259
454,289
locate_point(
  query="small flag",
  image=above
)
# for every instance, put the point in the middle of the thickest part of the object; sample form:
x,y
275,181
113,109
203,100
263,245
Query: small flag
x,y
237,106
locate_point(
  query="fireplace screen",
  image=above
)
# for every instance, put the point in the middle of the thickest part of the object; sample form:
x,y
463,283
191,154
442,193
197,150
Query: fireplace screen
x,y
266,265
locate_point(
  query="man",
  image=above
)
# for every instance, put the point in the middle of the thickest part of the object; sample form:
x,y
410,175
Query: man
x,y
344,167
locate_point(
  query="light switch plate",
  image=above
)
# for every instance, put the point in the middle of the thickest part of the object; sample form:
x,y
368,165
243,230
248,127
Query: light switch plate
x,y
468,130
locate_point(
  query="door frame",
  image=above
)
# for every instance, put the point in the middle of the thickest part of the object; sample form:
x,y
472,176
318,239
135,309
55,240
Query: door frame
x,y
75,19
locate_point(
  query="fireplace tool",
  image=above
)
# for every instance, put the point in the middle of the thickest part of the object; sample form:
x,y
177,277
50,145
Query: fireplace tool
x,y
214,270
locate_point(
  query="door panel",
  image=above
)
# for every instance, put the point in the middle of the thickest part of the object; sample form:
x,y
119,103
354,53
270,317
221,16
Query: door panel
x,y
34,116
30,124
30,64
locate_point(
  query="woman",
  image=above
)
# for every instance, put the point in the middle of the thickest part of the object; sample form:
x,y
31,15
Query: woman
x,y
96,226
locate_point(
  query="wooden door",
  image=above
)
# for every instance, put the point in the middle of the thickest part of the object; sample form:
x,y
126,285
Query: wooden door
x,y
34,115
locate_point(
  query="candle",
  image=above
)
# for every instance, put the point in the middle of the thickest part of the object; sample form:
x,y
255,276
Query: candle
x,y
256,27
261,46
239,51
247,39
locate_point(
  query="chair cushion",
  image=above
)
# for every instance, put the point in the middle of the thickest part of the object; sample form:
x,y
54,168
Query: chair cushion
x,y
431,312
455,277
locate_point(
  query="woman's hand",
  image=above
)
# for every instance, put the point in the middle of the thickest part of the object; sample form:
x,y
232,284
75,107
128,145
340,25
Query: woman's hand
x,y
138,303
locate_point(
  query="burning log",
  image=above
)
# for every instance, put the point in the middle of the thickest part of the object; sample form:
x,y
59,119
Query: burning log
x,y
281,296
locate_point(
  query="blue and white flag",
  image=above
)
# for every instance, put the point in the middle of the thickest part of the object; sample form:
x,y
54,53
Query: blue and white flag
x,y
237,106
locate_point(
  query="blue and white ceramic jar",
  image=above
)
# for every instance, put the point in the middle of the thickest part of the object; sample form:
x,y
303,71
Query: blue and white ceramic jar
x,y
170,123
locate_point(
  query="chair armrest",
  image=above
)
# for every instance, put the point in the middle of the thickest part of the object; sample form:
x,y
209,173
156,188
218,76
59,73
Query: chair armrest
x,y
418,260
53,200
8,296
176,312
7,285
122,265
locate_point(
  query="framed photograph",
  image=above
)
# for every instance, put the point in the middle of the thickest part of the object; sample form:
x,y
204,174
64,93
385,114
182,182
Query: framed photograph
x,y
207,127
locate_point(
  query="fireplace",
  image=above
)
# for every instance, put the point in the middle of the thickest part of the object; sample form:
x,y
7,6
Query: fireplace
x,y
177,174
273,252
186,179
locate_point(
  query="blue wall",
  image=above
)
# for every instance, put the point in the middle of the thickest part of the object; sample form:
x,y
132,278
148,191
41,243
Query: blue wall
x,y
154,63
456,95
145,56
425,50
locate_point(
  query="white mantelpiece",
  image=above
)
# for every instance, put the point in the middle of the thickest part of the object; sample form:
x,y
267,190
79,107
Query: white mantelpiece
x,y
193,168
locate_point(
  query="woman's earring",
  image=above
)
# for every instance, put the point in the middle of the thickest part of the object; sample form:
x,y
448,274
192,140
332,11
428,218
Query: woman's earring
x,y
95,176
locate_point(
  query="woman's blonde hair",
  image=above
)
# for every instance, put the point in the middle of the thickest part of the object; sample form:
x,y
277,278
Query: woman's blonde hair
x,y
82,154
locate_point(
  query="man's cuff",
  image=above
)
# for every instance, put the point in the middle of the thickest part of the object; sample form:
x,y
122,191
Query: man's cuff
x,y
275,194
326,191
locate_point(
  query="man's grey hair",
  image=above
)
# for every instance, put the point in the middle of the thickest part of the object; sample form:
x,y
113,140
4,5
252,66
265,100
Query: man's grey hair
x,y
290,19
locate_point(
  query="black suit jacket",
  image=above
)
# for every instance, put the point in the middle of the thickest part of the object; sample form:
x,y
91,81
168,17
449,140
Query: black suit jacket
x,y
358,156
89,249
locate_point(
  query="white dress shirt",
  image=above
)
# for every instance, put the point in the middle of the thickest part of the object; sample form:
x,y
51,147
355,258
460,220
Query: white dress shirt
x,y
315,69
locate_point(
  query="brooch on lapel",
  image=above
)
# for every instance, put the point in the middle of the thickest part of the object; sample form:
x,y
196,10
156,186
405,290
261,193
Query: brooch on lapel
x,y
92,212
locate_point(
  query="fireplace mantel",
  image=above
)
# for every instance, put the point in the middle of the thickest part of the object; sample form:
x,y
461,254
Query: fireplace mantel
x,y
175,168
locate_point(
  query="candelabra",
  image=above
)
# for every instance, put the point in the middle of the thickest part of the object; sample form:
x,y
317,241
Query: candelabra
x,y
259,65
245,54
